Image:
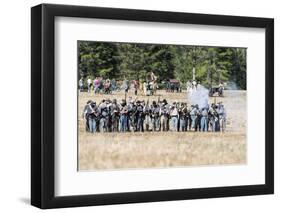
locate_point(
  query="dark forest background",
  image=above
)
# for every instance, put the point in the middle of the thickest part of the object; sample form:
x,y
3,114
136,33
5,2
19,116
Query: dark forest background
x,y
135,61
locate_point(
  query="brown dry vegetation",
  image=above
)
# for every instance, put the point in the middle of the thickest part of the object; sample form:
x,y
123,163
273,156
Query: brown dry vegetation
x,y
165,149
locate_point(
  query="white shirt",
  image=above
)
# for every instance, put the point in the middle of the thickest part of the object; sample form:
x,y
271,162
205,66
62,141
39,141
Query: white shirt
x,y
174,112
81,82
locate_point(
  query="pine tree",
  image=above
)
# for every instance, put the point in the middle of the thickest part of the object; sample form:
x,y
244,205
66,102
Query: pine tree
x,y
209,65
97,59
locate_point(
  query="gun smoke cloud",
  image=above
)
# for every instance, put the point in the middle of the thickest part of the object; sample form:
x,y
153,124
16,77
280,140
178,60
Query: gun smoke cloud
x,y
199,95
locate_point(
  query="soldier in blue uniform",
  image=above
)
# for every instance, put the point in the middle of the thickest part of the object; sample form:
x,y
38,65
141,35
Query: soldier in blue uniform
x,y
104,116
174,115
147,117
222,116
194,115
183,117
114,116
123,116
204,120
131,120
86,110
91,115
214,118
188,119
164,116
139,116
155,116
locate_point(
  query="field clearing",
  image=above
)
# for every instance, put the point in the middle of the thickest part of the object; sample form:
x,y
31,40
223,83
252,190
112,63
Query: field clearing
x,y
164,149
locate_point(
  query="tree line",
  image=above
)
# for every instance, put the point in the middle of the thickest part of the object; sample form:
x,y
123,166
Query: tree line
x,y
209,65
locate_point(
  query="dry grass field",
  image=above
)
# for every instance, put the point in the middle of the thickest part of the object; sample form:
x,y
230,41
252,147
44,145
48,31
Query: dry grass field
x,y
103,151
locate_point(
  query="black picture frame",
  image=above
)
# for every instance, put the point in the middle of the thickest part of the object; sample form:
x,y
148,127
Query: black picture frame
x,y
43,102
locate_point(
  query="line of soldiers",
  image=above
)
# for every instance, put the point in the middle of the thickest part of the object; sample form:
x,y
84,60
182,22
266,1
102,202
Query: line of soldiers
x,y
139,116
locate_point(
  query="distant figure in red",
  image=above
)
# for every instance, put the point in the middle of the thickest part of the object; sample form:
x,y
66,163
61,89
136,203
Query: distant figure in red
x,y
136,86
96,85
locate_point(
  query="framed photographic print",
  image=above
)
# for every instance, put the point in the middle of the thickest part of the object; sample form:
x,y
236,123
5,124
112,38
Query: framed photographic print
x,y
139,106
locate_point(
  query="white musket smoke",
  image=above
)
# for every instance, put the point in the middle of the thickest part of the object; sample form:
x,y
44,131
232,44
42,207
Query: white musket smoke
x,y
199,95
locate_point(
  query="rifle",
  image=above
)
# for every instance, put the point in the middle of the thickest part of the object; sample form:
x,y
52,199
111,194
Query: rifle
x,y
147,103
125,96
136,98
99,104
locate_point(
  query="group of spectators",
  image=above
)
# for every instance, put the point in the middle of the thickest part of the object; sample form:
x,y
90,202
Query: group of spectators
x,y
99,85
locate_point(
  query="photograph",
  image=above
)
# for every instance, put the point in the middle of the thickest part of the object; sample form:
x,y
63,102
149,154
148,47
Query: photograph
x,y
148,106
170,104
